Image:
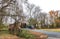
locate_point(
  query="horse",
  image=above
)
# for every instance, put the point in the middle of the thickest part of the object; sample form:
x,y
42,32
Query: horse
x,y
15,27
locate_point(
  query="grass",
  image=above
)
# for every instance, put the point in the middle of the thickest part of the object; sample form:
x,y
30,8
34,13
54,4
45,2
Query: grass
x,y
4,32
5,35
24,34
52,30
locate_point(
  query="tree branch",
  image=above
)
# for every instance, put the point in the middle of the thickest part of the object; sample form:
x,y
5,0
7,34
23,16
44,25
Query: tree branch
x,y
6,5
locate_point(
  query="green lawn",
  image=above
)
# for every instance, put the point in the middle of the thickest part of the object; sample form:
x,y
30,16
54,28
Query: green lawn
x,y
52,30
4,32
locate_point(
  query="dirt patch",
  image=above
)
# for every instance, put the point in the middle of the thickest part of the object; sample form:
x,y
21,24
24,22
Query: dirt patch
x,y
9,36
39,35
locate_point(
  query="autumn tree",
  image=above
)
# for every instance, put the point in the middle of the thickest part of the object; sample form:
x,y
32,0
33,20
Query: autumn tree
x,y
54,16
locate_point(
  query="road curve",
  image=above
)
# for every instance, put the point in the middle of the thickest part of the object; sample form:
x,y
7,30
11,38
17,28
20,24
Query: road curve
x,y
51,35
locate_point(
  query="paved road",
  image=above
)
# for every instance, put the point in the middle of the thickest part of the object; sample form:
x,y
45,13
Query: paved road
x,y
51,35
52,38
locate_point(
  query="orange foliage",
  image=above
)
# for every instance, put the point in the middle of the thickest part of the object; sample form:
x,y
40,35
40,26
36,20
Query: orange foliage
x,y
58,21
56,13
53,13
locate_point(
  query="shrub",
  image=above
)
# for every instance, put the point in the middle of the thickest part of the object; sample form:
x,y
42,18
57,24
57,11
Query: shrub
x,y
3,27
26,34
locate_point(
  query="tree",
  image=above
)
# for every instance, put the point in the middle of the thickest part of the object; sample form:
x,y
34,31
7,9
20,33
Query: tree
x,y
3,6
30,9
32,21
42,18
54,16
11,8
36,12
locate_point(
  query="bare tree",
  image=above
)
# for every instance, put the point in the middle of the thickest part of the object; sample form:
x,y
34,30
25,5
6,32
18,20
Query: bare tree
x,y
3,5
36,12
11,8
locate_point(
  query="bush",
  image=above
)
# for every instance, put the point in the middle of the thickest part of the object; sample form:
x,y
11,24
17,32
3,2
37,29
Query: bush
x,y
3,27
26,34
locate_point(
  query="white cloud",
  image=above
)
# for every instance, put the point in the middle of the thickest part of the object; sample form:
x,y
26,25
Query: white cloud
x,y
47,5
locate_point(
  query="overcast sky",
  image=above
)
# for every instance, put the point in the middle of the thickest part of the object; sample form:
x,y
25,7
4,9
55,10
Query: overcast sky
x,y
47,5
